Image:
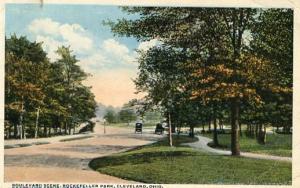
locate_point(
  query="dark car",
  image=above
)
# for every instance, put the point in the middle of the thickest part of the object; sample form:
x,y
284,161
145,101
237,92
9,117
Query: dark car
x,y
159,129
138,127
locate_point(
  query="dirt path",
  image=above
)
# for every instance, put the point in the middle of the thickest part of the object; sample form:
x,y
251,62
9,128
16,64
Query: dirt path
x,y
68,161
202,145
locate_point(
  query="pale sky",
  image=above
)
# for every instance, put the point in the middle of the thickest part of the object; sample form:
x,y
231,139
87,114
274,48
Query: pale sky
x,y
111,60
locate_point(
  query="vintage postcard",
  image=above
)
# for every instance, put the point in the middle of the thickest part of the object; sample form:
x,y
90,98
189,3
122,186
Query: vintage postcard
x,y
149,94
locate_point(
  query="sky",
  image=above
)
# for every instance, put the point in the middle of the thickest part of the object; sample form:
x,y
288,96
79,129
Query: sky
x,y
109,59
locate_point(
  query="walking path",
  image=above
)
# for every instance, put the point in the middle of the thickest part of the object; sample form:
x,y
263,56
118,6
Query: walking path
x,y
65,162
48,140
202,145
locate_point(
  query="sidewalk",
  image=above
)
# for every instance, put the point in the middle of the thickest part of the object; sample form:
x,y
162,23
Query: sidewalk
x,y
48,140
202,145
98,130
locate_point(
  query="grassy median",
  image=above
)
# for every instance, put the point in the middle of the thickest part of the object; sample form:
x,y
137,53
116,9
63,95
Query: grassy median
x,y
159,163
277,144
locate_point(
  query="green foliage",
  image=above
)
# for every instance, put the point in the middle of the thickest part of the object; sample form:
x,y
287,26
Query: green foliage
x,y
43,95
209,60
111,116
127,115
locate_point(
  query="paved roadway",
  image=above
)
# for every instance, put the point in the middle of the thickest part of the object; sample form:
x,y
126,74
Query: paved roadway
x,y
67,162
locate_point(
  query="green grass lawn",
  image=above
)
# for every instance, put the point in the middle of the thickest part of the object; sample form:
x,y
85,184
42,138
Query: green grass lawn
x,y
159,163
277,144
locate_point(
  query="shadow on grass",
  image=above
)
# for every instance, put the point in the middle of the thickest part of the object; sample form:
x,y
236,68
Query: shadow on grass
x,y
133,156
136,158
43,160
75,138
99,149
159,163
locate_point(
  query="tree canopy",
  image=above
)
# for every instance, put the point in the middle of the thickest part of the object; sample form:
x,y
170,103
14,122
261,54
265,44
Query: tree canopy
x,y
43,95
219,58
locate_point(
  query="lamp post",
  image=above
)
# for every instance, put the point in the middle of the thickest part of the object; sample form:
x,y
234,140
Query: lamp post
x,y
104,130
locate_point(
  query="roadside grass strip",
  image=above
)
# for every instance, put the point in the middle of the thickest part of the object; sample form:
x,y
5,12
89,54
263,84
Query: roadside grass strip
x,y
75,138
24,145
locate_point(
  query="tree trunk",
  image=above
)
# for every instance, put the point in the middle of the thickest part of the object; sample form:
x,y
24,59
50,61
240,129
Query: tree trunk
x,y
215,138
192,131
235,146
258,137
37,123
7,129
49,131
70,128
170,131
45,130
220,124
261,135
240,128
21,120
209,125
39,129
248,130
265,134
256,130
56,125
15,131
55,129
66,128
21,131
288,129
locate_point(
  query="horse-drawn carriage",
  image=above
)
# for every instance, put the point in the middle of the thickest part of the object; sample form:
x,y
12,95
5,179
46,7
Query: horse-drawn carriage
x,y
159,129
138,127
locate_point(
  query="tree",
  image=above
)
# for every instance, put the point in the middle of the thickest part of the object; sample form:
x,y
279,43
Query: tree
x,y
72,77
159,78
127,115
43,94
213,44
26,75
110,116
273,40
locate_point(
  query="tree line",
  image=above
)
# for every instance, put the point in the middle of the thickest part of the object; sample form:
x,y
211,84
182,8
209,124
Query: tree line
x,y
130,112
228,65
43,98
